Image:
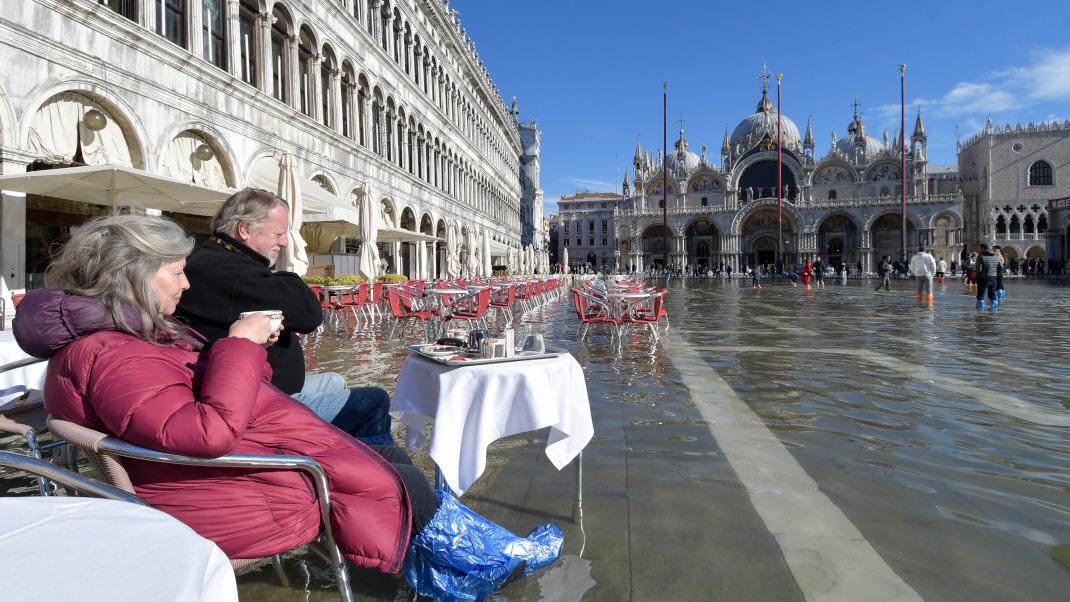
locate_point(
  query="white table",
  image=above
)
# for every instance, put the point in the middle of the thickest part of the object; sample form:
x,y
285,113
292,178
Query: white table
x,y
473,406
14,383
76,548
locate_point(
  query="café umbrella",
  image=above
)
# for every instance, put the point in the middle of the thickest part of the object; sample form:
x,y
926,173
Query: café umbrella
x,y
368,261
296,258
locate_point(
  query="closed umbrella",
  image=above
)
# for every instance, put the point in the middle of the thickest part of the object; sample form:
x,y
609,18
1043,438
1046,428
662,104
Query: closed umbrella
x,y
453,267
564,260
472,266
488,264
290,190
368,261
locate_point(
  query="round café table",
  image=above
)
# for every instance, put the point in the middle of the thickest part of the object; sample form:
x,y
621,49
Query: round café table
x,y
473,406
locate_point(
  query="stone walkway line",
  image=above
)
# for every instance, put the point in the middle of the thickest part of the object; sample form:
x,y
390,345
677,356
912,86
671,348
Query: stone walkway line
x,y
827,555
1001,402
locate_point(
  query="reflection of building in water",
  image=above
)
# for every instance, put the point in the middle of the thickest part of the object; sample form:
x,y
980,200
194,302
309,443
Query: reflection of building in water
x,y
1016,184
845,206
371,97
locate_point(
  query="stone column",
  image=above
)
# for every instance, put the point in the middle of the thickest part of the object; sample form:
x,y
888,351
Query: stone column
x,y
146,13
264,65
233,48
195,33
403,144
382,131
316,87
432,256
388,35
294,74
336,100
377,20
13,239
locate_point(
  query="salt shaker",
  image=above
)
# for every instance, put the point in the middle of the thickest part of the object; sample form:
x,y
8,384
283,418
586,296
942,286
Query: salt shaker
x,y
510,342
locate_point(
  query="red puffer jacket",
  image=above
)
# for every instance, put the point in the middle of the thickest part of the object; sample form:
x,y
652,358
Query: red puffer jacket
x,y
209,403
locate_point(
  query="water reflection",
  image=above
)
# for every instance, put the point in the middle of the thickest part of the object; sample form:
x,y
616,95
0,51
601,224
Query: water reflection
x,y
861,387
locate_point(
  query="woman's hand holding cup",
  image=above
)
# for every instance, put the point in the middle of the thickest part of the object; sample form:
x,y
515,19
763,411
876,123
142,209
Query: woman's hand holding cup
x,y
261,327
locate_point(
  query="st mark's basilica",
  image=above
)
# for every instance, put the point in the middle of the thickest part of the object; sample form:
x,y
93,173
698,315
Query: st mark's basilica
x,y
844,206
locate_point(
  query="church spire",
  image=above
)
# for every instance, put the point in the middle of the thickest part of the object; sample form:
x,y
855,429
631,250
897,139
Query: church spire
x,y
638,151
725,147
808,140
764,106
919,128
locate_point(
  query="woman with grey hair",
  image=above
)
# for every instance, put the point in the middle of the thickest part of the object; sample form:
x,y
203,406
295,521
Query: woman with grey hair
x,y
119,363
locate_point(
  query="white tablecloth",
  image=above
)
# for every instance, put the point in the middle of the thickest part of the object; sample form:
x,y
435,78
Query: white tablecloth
x,y
16,382
472,406
87,549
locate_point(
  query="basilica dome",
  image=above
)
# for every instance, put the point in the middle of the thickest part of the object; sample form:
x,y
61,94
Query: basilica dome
x,y
846,145
751,130
683,159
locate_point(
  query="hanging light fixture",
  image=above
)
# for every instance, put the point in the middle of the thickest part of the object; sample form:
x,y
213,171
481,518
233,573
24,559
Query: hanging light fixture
x,y
204,152
94,118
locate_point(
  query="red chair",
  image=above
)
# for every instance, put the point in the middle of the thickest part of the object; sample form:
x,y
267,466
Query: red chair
x,y
356,299
592,310
647,311
471,307
405,306
502,301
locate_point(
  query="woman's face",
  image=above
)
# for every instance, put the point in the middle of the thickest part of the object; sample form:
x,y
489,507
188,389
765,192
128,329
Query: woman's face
x,y
169,282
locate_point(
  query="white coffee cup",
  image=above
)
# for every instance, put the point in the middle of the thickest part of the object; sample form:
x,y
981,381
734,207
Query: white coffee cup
x,y
274,314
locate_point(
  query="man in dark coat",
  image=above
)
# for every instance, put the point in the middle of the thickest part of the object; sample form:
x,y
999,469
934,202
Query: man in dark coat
x,y
231,273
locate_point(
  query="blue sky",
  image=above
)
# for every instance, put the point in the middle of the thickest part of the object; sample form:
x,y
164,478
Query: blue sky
x,y
590,72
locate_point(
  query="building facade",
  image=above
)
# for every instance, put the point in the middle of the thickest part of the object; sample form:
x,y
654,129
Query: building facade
x,y
844,206
378,99
1015,180
586,228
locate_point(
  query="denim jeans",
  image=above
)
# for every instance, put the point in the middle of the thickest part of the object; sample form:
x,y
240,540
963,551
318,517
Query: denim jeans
x,y
363,412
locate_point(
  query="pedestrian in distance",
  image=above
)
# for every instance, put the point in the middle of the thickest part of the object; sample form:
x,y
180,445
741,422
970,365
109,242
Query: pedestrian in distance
x,y
1000,292
819,272
924,267
755,278
884,271
941,268
794,277
807,273
988,268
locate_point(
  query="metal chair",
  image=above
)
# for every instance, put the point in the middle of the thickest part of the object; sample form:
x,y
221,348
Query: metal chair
x,y
107,453
26,417
71,481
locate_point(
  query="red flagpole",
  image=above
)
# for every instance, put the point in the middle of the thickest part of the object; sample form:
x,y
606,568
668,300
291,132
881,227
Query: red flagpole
x,y
779,180
903,149
665,170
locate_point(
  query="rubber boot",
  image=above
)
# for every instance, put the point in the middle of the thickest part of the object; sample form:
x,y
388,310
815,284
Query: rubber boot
x,y
919,298
930,299
1000,294
980,305
994,304
460,555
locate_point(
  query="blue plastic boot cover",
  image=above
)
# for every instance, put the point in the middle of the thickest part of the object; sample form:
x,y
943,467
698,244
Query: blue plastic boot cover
x,y
995,305
1000,294
462,556
980,304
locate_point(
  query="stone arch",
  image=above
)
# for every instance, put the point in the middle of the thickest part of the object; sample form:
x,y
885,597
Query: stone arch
x,y
407,219
325,181
113,104
1036,252
956,219
427,224
1011,251
789,212
816,176
8,122
388,211
868,225
224,153
883,171
789,163
706,173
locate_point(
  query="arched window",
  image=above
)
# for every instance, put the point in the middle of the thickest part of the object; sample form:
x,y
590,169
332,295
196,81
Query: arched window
x,y
1028,228
304,71
280,61
247,41
214,32
327,69
347,101
705,202
1016,227
1040,174
885,191
126,8
1001,226
171,20
832,195
1042,224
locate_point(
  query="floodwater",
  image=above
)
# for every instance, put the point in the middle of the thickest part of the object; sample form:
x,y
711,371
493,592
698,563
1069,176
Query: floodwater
x,y
924,451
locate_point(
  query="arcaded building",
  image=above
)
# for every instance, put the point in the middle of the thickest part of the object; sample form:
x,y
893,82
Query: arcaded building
x,y
382,99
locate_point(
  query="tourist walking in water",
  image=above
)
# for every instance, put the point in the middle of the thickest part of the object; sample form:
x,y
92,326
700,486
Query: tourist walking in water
x,y
987,268
941,268
924,267
755,278
884,271
1000,293
819,272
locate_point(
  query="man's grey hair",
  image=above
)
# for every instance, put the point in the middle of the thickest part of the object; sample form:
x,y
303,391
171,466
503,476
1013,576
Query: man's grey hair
x,y
250,205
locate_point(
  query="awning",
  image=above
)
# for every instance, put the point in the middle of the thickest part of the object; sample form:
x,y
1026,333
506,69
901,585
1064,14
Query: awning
x,y
392,234
317,204
115,186
498,249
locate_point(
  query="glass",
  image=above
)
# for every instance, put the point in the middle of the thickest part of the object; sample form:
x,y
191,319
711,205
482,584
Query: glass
x,y
533,343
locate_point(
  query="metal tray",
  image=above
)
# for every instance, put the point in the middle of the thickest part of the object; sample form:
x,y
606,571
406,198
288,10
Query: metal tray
x,y
473,360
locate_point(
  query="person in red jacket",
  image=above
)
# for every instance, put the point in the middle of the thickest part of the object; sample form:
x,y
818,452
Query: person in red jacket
x,y
119,363
808,273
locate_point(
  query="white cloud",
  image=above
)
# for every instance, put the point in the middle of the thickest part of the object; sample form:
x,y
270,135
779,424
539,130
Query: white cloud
x,y
1046,79
593,185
